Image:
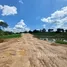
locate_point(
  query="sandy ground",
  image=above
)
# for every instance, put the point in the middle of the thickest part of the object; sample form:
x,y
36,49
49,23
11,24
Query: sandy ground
x,y
28,51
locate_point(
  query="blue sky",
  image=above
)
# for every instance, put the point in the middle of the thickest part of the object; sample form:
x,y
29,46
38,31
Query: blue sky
x,y
33,13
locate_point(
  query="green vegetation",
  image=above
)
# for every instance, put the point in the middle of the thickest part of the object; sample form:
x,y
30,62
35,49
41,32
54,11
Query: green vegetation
x,y
59,37
6,34
51,35
61,42
10,36
3,25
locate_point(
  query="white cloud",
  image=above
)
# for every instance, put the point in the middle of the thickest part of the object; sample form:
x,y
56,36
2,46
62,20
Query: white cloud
x,y
8,10
1,7
8,29
20,1
1,20
59,18
20,27
20,24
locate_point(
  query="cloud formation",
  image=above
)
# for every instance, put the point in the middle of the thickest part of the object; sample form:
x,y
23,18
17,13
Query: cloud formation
x,y
8,10
59,18
20,1
20,27
8,29
20,24
1,20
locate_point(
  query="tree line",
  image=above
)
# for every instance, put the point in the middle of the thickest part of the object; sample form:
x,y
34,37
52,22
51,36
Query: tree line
x,y
5,25
59,30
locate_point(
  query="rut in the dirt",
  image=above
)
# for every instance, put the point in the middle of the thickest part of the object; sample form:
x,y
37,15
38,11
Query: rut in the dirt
x,y
28,51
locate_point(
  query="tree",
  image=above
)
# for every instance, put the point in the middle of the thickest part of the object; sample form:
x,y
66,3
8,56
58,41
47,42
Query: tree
x,y
50,30
30,31
3,24
36,31
43,30
60,30
66,30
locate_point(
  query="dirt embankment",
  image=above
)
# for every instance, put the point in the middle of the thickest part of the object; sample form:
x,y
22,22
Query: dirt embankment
x,y
28,51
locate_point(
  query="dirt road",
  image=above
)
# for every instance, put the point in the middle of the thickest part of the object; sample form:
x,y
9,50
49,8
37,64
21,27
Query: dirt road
x,y
28,51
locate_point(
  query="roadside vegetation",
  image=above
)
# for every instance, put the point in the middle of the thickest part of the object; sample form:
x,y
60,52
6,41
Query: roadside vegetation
x,y
6,34
60,33
10,36
58,36
61,42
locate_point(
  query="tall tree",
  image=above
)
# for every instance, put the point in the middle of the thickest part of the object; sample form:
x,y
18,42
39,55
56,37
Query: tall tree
x,y
3,24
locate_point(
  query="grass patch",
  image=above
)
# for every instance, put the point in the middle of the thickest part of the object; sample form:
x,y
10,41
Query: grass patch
x,y
61,42
10,36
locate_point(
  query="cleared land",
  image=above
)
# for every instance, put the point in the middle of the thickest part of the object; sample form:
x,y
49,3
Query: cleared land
x,y
28,51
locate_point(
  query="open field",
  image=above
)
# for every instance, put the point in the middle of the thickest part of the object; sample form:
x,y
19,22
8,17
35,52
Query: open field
x,y
28,51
